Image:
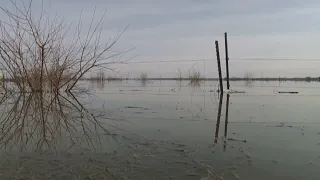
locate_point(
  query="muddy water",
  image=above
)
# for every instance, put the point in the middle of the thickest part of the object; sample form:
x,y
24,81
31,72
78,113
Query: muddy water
x,y
163,130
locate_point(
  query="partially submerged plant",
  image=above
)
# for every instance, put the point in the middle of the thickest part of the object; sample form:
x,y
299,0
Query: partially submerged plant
x,y
114,78
143,77
248,79
39,53
195,79
248,76
179,75
195,76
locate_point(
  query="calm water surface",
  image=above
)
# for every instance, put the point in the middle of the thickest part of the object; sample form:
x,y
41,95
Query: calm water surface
x,y
163,130
268,135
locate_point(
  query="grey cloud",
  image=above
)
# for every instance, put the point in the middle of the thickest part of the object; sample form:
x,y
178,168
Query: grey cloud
x,y
186,29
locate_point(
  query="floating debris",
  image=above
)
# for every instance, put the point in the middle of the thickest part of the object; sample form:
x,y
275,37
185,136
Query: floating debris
x,y
233,91
231,139
283,125
235,175
134,90
248,155
136,107
288,92
230,91
192,174
179,150
209,176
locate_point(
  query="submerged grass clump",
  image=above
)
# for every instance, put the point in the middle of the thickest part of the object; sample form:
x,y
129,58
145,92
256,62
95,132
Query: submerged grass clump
x,y
143,77
195,78
100,76
114,78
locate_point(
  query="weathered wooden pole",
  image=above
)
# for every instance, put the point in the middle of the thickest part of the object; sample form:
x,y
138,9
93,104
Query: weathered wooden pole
x,y
227,58
219,67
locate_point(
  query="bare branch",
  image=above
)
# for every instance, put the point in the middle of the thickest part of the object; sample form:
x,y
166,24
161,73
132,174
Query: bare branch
x,y
41,52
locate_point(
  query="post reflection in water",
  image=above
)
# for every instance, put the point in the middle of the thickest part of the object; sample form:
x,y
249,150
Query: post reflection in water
x,y
218,118
42,121
226,123
99,84
226,120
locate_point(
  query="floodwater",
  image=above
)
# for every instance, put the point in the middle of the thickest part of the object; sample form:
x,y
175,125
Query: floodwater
x,y
163,130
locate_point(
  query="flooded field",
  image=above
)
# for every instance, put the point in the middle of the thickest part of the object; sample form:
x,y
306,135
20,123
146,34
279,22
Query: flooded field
x,y
163,130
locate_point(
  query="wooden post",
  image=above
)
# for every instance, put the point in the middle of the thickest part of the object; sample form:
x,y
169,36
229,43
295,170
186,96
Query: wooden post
x,y
218,118
227,58
219,67
226,122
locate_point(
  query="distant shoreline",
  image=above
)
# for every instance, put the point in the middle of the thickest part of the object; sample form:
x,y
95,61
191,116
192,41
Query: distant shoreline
x,y
304,79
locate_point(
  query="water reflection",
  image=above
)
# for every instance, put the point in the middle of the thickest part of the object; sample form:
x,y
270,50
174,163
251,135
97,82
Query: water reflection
x,y
226,120
179,84
41,121
248,83
99,84
218,118
195,84
226,123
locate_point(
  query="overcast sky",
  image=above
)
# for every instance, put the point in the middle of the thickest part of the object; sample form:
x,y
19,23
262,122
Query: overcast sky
x,y
186,30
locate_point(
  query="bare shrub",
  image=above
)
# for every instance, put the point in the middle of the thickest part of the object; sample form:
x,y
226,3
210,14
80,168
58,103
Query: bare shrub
x,y
143,76
248,76
37,53
195,75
